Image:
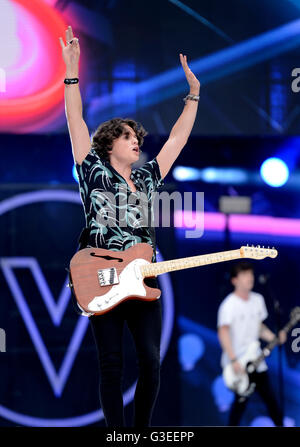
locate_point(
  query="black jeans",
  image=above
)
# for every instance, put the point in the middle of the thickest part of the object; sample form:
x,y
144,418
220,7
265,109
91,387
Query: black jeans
x,y
144,321
264,389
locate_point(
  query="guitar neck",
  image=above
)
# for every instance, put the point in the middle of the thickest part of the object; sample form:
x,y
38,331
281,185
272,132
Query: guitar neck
x,y
270,346
185,263
266,351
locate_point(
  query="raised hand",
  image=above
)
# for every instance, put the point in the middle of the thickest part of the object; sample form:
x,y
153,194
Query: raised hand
x,y
190,77
70,51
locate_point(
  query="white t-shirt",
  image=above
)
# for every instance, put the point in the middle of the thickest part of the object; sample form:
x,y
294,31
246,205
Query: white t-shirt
x,y
244,317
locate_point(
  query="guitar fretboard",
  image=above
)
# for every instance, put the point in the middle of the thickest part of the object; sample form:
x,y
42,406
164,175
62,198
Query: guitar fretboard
x,y
185,263
270,346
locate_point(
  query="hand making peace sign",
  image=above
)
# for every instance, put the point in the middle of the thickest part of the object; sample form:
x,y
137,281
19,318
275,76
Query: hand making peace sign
x,y
71,50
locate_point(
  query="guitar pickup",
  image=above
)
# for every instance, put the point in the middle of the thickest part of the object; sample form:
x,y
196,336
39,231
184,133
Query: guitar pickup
x,y
108,277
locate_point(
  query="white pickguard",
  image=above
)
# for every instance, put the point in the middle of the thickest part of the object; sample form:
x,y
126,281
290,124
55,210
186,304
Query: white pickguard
x,y
130,284
240,382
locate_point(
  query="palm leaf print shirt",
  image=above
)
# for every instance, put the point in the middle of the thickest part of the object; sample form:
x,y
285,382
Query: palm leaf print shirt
x,y
117,217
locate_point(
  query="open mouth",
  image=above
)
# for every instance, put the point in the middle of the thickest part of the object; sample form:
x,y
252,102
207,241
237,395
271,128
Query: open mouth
x,y
136,149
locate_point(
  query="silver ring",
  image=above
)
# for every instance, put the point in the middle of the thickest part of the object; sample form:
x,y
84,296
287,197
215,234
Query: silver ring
x,y
69,42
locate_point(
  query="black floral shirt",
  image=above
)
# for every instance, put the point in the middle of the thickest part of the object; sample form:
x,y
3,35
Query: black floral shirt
x,y
115,215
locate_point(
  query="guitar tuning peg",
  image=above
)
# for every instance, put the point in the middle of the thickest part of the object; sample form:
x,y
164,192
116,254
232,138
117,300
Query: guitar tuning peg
x,y
263,246
258,246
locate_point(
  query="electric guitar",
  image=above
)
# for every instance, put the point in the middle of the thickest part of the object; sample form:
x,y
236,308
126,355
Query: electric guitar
x,y
243,383
101,279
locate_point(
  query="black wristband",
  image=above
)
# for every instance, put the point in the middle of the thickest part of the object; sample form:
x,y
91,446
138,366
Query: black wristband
x,y
71,81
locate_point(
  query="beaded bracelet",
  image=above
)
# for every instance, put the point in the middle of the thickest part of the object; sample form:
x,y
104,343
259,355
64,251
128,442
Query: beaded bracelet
x,y
192,97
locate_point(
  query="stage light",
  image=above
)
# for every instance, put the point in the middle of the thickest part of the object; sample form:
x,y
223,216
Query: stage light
x,y
183,173
191,348
211,175
74,172
33,65
224,175
274,172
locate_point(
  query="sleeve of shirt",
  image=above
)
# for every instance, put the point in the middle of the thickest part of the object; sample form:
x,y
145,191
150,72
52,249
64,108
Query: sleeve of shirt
x,y
93,172
224,315
264,312
151,175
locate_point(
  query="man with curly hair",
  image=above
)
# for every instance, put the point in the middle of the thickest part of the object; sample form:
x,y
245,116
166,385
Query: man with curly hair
x,y
105,166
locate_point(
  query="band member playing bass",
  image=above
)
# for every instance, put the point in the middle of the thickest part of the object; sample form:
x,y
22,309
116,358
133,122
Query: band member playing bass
x,y
105,165
240,323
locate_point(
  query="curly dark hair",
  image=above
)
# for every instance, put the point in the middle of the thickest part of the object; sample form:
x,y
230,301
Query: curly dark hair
x,y
107,132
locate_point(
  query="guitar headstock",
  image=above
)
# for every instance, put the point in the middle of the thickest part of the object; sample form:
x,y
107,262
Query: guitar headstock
x,y
258,252
295,315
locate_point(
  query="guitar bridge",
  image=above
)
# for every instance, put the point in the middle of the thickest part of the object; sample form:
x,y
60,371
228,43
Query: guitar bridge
x,y
108,277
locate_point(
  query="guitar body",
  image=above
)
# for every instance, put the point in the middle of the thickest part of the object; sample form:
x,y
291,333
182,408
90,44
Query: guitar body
x,y
101,279
241,383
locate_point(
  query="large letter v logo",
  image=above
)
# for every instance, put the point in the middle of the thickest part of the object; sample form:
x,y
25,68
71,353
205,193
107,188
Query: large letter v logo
x,y
56,311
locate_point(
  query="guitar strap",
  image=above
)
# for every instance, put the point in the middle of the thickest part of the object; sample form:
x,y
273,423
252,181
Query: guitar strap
x,y
83,242
150,217
84,238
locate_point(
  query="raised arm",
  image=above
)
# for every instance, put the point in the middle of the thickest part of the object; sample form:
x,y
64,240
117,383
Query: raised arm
x,y
79,134
183,126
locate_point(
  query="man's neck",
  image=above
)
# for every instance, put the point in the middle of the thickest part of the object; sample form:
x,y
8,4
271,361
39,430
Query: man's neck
x,y
123,170
243,294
